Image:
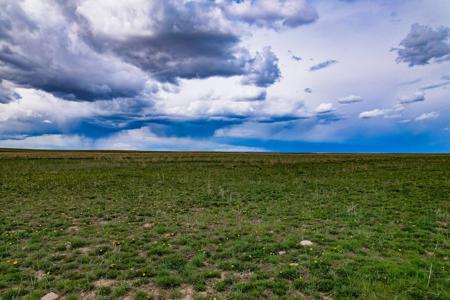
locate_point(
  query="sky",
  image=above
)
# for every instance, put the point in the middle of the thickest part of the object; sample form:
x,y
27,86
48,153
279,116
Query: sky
x,y
226,75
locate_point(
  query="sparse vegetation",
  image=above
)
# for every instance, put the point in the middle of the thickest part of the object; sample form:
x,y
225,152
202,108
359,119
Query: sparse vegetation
x,y
130,225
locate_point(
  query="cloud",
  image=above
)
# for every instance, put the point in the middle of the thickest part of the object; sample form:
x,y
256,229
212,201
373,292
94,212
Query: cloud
x,y
48,141
323,65
144,138
424,45
372,113
303,129
91,50
36,111
7,94
186,39
427,116
263,69
417,97
271,13
350,99
141,138
435,86
41,48
388,113
324,108
224,97
410,82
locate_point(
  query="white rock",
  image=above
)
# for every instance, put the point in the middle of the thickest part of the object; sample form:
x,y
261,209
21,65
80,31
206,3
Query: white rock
x,y
306,243
281,252
50,296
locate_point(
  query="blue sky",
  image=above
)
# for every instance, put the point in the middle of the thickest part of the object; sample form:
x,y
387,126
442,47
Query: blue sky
x,y
223,75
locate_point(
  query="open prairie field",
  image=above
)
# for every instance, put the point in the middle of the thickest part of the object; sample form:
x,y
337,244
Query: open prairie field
x,y
131,225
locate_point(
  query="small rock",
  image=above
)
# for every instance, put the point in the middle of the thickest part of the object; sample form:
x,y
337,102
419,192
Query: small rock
x,y
306,243
148,225
281,252
293,264
50,296
40,275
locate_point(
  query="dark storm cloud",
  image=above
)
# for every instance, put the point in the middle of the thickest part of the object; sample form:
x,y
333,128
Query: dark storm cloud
x,y
52,58
180,46
323,65
423,45
66,55
184,45
173,55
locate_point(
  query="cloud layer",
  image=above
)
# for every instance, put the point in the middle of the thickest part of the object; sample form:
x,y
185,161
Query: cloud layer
x,y
102,49
223,74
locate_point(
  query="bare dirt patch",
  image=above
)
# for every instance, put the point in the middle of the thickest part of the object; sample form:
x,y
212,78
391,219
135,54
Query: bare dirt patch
x,y
157,293
187,292
300,295
104,283
87,296
73,228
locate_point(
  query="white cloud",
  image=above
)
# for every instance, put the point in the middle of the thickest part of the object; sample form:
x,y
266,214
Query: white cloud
x,y
271,13
372,113
427,116
324,108
388,113
34,104
124,18
219,96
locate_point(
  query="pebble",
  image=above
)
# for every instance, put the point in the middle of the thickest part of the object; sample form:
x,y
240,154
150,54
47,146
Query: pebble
x,y
306,243
50,296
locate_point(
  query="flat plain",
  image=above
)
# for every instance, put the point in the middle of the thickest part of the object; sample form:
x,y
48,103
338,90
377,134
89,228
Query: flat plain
x,y
143,225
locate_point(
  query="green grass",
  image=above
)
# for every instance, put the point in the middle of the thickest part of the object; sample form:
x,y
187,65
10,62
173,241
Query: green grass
x,y
149,225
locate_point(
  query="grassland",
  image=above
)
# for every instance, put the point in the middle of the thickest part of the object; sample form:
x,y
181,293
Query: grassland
x,y
112,225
